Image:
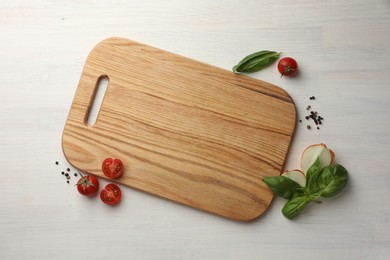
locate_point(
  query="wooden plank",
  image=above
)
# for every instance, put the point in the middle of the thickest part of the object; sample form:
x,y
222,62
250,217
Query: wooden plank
x,y
185,130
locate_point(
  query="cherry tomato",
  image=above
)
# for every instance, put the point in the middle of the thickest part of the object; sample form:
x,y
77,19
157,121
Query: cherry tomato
x,y
111,194
288,67
88,185
112,168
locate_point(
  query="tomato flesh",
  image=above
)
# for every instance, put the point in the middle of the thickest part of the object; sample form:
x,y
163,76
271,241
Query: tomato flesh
x,y
111,194
112,168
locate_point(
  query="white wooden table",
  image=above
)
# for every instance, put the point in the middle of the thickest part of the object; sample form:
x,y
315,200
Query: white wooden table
x,y
342,48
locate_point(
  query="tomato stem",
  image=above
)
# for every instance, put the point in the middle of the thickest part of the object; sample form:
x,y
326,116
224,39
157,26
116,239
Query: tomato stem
x,y
287,70
85,182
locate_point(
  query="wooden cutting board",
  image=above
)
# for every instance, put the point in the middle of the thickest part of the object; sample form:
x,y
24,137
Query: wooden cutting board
x,y
186,131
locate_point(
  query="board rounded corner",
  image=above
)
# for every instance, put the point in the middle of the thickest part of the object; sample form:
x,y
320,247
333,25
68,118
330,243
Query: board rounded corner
x,y
64,146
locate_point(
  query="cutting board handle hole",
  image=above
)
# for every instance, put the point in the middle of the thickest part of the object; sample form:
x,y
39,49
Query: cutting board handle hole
x,y
97,100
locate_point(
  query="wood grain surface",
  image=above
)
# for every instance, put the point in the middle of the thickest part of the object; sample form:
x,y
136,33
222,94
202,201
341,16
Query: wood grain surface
x,y
185,130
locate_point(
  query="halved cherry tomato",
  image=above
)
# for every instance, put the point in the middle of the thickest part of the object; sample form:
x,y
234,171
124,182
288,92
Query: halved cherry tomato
x,y
111,194
288,67
88,185
112,168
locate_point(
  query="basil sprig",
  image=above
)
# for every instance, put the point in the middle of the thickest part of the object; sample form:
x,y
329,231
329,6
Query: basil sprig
x,y
321,182
282,186
295,206
256,61
332,180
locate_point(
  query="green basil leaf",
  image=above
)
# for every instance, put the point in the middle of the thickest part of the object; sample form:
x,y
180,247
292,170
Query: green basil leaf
x,y
295,206
312,176
332,180
256,61
282,186
298,193
252,56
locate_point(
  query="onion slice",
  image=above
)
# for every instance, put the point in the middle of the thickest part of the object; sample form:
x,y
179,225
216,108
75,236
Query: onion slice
x,y
311,153
296,175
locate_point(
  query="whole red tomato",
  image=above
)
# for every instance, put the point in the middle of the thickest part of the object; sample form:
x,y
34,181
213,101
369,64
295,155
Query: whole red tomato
x,y
88,185
111,194
112,168
288,67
